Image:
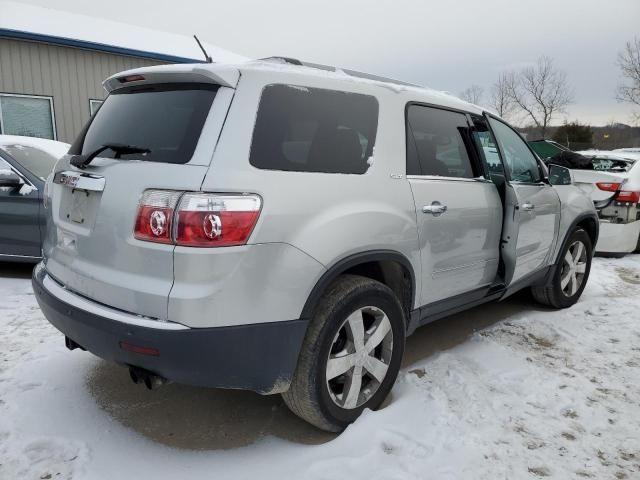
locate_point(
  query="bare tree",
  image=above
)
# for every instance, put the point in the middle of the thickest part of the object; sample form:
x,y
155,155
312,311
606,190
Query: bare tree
x,y
629,63
473,94
499,98
540,91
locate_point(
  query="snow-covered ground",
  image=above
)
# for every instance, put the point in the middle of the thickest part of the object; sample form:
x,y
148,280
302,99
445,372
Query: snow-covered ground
x,y
532,393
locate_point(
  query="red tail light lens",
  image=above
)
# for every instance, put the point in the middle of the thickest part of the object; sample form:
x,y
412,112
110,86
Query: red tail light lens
x,y
608,187
213,220
154,222
628,197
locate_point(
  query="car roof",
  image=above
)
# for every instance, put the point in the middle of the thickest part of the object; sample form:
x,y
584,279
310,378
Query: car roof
x,y
290,70
53,147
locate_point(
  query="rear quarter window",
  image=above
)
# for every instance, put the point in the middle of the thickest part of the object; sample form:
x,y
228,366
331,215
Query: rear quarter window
x,y
301,129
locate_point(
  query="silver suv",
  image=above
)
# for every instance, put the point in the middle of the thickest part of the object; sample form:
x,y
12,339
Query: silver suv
x,y
282,227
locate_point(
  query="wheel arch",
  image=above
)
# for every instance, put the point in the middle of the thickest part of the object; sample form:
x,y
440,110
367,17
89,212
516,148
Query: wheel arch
x,y
386,266
589,223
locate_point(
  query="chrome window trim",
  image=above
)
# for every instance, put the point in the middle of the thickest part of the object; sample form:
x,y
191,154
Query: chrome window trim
x,y
11,255
449,179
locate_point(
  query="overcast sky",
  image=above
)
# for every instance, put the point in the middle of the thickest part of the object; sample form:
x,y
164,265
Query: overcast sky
x,y
444,44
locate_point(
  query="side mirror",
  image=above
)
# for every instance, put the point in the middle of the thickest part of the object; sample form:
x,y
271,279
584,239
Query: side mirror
x,y
10,180
560,175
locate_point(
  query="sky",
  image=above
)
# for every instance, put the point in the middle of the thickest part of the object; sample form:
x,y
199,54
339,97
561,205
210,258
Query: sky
x,y
444,44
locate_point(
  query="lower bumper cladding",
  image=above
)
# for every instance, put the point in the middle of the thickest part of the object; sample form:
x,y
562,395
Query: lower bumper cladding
x,y
260,357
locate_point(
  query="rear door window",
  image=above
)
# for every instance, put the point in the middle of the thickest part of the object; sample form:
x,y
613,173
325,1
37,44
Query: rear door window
x,y
436,143
166,119
302,129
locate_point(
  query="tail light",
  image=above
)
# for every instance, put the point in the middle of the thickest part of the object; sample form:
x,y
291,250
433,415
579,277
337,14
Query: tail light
x,y
608,187
622,196
207,220
154,222
625,196
196,219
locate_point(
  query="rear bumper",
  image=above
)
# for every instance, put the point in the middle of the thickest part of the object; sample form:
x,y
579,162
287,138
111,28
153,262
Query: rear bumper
x,y
618,237
259,357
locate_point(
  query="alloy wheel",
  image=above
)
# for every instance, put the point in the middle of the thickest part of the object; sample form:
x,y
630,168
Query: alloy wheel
x,y
359,357
574,267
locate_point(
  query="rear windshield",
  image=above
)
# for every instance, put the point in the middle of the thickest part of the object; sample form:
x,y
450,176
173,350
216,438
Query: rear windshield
x,y
164,119
611,164
304,129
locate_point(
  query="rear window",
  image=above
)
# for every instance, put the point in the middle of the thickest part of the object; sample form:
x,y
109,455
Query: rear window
x,y
165,119
302,129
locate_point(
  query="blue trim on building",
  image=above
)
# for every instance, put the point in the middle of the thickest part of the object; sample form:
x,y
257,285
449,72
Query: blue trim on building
x,y
99,47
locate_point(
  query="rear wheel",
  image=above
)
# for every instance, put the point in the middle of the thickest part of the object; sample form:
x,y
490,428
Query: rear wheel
x,y
571,275
351,354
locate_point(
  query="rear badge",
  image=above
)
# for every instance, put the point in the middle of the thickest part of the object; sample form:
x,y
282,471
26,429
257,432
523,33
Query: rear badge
x,y
68,180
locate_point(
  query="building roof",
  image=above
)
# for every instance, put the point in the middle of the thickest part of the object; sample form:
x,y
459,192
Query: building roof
x,y
28,22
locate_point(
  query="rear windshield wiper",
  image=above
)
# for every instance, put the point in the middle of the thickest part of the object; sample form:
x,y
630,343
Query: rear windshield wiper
x,y
81,161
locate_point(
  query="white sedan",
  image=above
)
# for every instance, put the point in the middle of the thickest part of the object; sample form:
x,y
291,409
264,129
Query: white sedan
x,y
614,186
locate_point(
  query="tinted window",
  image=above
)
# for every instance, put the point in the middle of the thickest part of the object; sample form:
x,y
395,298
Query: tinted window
x,y
38,162
314,130
166,119
436,143
519,161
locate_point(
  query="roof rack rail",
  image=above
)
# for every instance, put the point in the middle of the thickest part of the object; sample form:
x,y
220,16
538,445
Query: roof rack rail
x,y
329,68
276,58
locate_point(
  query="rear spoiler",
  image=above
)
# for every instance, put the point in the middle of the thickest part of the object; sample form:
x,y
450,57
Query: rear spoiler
x,y
224,75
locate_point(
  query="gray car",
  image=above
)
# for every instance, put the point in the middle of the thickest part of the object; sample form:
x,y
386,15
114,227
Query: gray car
x,y
25,164
282,227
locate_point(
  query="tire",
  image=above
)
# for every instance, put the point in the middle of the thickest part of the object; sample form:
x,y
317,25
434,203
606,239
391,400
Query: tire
x,y
637,250
326,403
556,295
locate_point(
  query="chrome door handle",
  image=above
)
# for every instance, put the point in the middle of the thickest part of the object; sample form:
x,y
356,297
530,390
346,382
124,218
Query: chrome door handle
x,y
435,209
528,207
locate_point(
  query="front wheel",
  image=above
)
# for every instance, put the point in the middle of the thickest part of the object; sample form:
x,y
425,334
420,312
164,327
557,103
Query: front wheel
x,y
571,274
351,354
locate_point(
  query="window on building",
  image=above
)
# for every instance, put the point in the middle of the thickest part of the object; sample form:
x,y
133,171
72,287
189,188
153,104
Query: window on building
x,y
436,143
27,115
304,129
94,105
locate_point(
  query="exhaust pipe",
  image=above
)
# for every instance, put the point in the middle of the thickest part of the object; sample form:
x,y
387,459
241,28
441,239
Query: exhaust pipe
x,y
150,380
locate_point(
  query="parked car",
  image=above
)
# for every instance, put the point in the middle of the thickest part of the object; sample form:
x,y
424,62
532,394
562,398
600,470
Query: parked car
x,y
613,182
283,227
25,163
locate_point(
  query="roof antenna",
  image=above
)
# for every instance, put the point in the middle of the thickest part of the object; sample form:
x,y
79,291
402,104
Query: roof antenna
x,y
206,55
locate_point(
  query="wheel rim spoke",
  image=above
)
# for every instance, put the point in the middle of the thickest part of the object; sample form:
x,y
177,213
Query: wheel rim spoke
x,y
336,366
581,267
578,252
573,285
376,367
381,331
352,388
356,327
568,258
565,280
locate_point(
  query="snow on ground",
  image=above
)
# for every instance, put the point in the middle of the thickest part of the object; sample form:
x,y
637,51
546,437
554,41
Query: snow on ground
x,y
536,394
